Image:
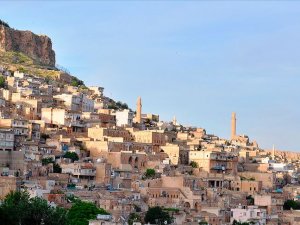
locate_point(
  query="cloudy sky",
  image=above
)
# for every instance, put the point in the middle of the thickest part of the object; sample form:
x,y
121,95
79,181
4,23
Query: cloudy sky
x,y
198,60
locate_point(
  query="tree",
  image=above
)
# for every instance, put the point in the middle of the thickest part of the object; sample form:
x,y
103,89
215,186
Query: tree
x,y
203,223
14,208
39,211
134,217
81,212
4,23
241,223
46,161
291,204
156,215
194,164
76,82
18,208
71,155
250,200
2,81
56,168
150,173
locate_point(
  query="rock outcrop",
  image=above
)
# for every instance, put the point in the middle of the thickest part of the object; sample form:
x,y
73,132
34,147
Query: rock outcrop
x,y
37,47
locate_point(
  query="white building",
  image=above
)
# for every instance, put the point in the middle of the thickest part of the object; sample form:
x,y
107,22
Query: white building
x,y
87,104
124,118
249,214
18,74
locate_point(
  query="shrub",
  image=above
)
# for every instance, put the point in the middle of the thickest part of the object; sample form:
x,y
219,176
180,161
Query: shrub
x,y
4,23
194,164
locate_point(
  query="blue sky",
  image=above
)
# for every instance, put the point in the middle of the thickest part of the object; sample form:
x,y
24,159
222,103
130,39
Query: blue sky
x,y
198,60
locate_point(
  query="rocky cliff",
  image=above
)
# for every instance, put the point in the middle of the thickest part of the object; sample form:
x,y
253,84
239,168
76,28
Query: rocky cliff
x,y
37,47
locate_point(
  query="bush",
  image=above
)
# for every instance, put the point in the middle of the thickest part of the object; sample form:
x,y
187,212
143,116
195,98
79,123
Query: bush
x,y
150,173
156,215
56,168
76,82
19,208
71,155
81,212
2,81
291,204
133,217
4,23
194,164
46,161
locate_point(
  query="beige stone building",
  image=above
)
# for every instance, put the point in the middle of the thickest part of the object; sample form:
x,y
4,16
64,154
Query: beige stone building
x,y
8,184
214,162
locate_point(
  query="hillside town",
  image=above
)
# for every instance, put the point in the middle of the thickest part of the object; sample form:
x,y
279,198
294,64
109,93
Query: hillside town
x,y
62,140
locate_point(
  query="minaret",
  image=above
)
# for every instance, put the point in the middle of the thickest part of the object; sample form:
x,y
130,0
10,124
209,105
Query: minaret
x,y
233,125
139,110
174,121
273,152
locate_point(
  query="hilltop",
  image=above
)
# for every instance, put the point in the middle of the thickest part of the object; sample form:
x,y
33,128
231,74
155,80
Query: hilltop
x,y
36,47
27,52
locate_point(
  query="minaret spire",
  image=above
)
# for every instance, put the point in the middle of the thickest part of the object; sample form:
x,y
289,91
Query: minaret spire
x,y
139,110
233,125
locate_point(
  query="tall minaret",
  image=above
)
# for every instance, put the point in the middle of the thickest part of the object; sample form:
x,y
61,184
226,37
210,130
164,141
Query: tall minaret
x,y
174,121
273,152
139,110
233,125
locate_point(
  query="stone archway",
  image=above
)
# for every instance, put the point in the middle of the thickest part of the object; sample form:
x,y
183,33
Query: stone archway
x,y
197,206
136,162
130,160
203,197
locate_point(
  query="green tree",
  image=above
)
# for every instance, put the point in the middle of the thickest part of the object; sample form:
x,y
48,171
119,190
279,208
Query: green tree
x,y
39,211
241,223
250,200
56,168
71,155
4,23
150,173
134,217
18,208
156,215
76,82
291,204
2,81
194,164
46,161
81,212
14,208
203,223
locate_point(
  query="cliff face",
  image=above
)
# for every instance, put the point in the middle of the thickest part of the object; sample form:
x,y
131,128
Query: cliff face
x,y
37,47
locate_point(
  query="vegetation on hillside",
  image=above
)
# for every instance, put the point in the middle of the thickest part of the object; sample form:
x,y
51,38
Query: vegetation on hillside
x,y
18,208
157,215
19,61
194,164
4,23
117,105
81,212
134,217
71,155
76,82
150,173
291,204
2,82
56,167
242,223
